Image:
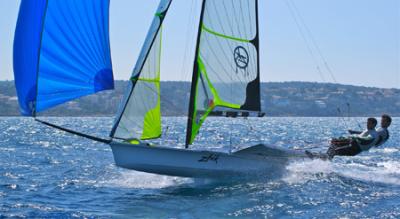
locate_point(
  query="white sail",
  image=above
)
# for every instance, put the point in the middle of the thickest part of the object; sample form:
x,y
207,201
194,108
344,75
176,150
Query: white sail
x,y
139,116
226,66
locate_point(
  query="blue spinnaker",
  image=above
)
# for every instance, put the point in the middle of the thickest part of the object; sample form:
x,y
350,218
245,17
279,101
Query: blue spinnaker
x,y
61,52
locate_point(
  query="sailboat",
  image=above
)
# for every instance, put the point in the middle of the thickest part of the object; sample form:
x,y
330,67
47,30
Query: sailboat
x,y
61,53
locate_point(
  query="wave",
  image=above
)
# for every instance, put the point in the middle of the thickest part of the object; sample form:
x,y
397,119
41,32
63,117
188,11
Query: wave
x,y
387,172
139,180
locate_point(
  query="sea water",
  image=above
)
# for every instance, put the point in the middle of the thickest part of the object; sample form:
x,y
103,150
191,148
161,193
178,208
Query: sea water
x,y
46,173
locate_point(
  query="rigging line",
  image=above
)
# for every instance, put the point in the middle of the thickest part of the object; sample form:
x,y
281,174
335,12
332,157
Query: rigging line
x,y
309,49
318,49
251,129
299,21
348,116
312,39
230,137
298,18
348,112
189,40
105,141
342,117
358,123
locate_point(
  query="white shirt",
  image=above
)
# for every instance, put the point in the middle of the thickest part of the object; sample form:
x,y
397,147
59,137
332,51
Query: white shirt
x,y
367,139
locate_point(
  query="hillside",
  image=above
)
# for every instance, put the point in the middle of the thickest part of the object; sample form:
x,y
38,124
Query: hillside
x,y
278,99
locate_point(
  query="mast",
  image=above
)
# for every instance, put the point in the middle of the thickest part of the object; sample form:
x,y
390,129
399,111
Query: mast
x,y
194,80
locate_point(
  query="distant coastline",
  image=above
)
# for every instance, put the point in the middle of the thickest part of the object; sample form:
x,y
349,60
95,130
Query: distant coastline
x,y
278,99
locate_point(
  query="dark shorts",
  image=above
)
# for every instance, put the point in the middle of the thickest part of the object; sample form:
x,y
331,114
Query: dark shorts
x,y
351,149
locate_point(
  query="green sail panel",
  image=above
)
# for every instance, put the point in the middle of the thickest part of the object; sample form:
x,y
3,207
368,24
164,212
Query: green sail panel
x,y
139,116
226,68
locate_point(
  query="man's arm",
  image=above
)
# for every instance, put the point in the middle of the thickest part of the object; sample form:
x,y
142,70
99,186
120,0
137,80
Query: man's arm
x,y
352,132
364,142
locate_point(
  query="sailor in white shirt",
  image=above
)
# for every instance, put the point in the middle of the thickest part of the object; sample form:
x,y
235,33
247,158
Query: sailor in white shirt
x,y
368,138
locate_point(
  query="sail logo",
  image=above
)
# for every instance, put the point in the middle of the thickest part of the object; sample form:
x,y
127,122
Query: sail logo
x,y
241,57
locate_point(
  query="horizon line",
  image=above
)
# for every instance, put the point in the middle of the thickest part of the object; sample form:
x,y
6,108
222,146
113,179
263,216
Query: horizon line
x,y
316,82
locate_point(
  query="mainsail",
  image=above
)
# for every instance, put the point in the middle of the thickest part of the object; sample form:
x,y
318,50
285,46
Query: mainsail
x,y
61,52
226,66
139,115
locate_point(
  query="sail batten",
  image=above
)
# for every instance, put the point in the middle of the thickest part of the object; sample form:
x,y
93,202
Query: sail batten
x,y
225,36
139,115
226,66
61,52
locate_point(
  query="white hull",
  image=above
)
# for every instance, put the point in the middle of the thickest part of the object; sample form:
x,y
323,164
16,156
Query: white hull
x,y
259,159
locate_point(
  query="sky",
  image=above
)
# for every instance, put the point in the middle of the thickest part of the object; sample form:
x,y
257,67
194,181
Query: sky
x,y
353,42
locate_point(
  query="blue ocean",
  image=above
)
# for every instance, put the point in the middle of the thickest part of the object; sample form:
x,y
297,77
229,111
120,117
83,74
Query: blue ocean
x,y
46,173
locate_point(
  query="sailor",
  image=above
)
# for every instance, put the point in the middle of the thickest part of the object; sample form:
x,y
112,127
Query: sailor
x,y
383,132
356,143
